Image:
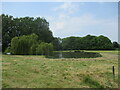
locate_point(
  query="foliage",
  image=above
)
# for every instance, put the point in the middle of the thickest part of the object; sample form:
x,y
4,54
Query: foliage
x,y
88,42
115,45
8,50
57,43
44,48
24,44
16,27
33,49
29,45
13,27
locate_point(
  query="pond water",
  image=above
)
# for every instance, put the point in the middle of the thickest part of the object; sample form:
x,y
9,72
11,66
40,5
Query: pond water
x,y
74,55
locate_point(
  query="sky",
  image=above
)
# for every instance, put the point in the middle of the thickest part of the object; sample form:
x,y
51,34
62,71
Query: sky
x,y
71,18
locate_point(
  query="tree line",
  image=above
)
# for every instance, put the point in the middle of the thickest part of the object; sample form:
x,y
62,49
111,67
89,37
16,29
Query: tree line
x,y
88,42
12,27
28,35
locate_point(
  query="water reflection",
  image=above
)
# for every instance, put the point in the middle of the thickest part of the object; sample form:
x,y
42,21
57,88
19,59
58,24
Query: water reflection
x,y
74,55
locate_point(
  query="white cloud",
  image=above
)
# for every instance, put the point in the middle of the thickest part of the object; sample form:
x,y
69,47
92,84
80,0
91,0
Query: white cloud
x,y
67,7
64,26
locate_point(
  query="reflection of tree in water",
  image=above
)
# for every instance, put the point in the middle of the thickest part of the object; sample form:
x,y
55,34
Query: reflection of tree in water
x,y
75,55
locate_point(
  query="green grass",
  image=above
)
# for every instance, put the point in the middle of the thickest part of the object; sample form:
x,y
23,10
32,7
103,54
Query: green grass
x,y
91,82
39,72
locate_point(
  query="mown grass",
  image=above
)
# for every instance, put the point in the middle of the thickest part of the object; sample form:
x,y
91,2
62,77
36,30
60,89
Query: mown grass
x,y
39,72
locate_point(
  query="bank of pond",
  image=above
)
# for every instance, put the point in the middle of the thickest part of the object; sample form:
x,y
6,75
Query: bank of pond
x,y
71,54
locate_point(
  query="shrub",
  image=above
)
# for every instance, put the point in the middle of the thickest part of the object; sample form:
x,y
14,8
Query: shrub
x,y
44,48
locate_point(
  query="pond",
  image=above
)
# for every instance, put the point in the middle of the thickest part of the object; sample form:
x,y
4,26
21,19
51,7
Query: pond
x,y
74,55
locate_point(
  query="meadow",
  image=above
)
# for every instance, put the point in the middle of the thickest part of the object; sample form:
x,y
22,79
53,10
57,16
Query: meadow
x,y
34,71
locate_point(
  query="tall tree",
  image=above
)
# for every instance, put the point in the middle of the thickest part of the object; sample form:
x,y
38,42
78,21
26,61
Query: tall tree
x,y
88,42
115,45
57,43
12,27
24,44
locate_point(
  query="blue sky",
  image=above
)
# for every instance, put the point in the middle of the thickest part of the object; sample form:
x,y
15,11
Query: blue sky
x,y
71,18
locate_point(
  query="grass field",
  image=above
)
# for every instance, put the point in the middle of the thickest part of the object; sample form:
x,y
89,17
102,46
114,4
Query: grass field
x,y
39,72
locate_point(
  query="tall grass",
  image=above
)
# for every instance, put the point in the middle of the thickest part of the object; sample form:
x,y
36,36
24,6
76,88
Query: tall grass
x,y
91,82
40,72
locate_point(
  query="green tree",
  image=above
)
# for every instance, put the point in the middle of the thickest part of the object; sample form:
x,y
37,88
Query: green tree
x,y
14,45
44,48
103,43
57,44
15,27
69,43
24,44
7,24
115,45
88,42
40,49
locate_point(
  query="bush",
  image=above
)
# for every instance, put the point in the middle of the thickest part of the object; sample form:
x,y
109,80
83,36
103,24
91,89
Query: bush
x,y
33,49
44,48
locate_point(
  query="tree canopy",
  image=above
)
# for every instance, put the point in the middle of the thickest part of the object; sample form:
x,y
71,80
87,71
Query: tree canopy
x,y
29,45
28,35
88,42
12,27
116,45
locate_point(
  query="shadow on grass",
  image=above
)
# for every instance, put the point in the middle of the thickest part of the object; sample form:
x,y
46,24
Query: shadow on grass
x,y
91,83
